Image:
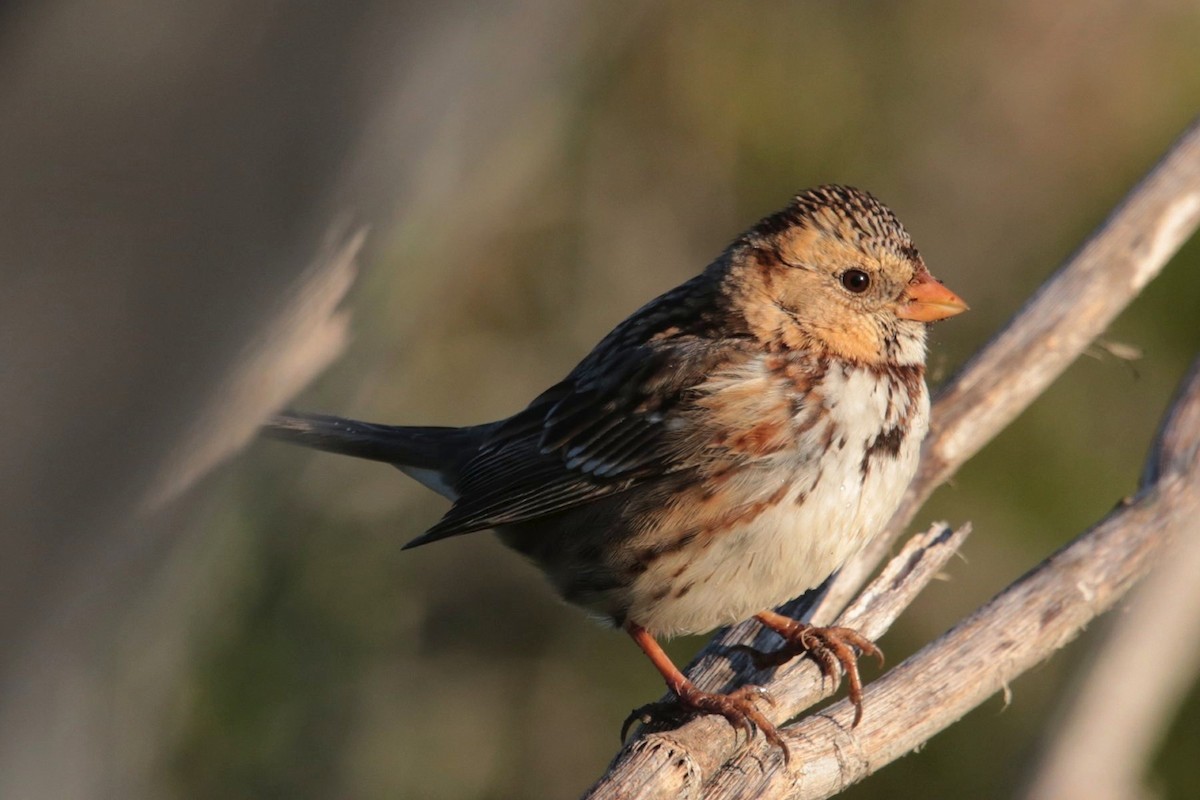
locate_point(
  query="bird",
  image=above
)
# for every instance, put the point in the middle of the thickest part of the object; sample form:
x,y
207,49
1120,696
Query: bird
x,y
724,449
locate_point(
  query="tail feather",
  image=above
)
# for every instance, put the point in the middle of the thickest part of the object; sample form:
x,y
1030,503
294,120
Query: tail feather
x,y
436,449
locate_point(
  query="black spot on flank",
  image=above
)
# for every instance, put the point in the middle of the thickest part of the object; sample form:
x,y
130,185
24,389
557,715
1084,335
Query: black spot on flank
x,y
888,442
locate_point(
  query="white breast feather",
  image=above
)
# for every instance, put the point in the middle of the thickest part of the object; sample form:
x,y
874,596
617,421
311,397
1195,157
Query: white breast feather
x,y
794,546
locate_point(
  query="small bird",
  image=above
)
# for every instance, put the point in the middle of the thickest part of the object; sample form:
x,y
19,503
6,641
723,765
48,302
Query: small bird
x,y
723,450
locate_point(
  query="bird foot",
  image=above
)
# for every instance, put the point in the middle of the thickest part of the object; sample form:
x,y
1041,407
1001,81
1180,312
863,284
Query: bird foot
x,y
738,707
830,647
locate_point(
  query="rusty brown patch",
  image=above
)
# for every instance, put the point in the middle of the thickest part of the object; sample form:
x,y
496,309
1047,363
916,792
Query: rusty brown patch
x,y
765,438
702,529
743,514
777,363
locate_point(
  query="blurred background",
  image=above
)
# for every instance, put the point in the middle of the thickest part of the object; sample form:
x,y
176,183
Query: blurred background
x,y
530,172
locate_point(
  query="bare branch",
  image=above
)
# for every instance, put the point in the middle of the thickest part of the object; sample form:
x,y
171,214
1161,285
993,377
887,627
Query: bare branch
x,y
1127,251
1020,627
1113,726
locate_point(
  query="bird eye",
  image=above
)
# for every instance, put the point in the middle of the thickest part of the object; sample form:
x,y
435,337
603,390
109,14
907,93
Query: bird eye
x,y
855,280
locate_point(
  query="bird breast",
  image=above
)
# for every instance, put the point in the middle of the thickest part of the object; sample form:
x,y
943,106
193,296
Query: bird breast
x,y
764,529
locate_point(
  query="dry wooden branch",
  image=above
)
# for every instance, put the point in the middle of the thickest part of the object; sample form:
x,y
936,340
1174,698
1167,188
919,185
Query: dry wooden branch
x,y
1102,747
1021,626
1104,743
1128,250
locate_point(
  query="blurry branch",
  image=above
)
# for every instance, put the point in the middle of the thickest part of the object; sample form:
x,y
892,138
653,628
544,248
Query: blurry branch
x,y
306,333
1134,684
1074,307
1113,725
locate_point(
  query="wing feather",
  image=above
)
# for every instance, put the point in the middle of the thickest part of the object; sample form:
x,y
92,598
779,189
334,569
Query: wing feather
x,y
615,421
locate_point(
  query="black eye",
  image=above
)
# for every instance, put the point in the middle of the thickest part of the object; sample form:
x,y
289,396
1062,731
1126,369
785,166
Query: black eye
x,y
855,280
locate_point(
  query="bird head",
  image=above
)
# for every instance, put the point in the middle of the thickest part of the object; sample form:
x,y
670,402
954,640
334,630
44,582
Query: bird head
x,y
835,272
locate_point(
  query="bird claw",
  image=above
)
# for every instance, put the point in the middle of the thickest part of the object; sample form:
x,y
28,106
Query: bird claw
x,y
829,647
737,708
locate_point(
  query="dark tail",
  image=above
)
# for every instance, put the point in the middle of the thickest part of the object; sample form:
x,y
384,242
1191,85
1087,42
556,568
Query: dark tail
x,y
426,448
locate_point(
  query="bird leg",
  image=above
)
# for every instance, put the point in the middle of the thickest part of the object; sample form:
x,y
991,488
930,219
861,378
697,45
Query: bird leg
x,y
829,647
737,707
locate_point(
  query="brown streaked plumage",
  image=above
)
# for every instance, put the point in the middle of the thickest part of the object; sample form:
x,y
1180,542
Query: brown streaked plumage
x,y
724,449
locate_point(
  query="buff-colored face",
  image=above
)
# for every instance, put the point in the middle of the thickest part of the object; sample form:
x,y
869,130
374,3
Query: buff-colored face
x,y
842,276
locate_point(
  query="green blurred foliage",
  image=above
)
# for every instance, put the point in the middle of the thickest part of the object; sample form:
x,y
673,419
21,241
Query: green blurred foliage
x,y
1000,132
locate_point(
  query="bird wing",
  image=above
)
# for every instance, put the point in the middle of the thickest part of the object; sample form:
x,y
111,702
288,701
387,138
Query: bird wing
x,y
612,423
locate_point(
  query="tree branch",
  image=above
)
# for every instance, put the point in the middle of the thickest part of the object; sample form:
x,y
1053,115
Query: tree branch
x,y
1020,627
1127,251
1077,304
1113,725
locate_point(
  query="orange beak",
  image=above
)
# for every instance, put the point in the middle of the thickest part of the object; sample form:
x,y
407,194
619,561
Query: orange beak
x,y
926,300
